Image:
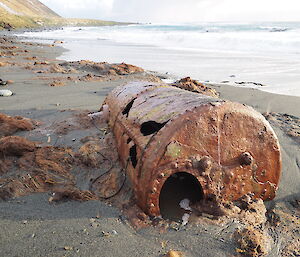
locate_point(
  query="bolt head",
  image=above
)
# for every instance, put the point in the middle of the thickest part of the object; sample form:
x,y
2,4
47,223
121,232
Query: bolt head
x,y
154,190
204,164
246,159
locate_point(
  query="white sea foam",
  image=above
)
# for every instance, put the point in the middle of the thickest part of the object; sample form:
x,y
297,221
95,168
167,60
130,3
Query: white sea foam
x,y
255,39
267,53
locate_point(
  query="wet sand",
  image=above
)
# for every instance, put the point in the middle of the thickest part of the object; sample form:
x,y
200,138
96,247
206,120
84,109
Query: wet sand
x,y
31,226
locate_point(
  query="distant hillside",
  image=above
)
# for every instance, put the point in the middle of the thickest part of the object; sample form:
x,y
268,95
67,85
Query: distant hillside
x,y
27,8
33,14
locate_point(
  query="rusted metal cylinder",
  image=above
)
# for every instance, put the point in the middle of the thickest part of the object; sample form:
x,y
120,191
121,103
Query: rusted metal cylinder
x,y
161,130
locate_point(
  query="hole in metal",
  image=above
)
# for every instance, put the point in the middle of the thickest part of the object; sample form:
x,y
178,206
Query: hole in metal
x,y
151,127
128,107
133,154
177,187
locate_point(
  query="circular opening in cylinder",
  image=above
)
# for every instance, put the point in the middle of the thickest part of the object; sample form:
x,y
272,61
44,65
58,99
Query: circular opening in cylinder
x,y
179,186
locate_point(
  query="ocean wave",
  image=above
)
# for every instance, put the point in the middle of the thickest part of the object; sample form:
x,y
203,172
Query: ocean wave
x,y
243,38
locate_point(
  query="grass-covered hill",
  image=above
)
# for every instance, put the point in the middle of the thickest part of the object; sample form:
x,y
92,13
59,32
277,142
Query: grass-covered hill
x,y
34,14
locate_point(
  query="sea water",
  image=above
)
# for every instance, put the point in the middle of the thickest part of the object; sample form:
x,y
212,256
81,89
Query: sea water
x,y
260,55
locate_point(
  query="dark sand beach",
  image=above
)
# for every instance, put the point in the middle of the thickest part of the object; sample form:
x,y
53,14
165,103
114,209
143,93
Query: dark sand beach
x,y
55,98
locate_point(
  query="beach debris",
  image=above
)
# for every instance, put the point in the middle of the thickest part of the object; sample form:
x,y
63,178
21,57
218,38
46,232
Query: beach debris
x,y
3,82
173,253
100,116
68,248
248,83
65,194
91,77
105,234
195,86
252,241
58,42
41,63
57,68
15,146
95,114
103,68
171,140
47,169
185,204
57,83
185,219
10,125
5,92
164,244
278,29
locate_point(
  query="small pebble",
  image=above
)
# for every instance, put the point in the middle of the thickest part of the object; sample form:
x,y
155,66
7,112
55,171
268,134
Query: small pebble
x,y
94,225
5,92
103,233
174,254
68,248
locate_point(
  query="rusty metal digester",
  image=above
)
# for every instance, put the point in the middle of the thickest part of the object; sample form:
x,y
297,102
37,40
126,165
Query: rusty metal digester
x,y
162,130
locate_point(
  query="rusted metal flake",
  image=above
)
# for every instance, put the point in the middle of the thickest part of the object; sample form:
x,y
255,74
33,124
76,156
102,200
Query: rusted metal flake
x,y
162,130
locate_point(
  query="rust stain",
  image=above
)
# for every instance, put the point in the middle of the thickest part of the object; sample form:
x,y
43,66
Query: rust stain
x,y
161,130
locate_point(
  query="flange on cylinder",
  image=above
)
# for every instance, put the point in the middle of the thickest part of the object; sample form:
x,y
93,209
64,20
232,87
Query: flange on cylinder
x,y
161,131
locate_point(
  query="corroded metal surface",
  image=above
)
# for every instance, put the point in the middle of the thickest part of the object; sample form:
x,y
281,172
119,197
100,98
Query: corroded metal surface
x,y
161,130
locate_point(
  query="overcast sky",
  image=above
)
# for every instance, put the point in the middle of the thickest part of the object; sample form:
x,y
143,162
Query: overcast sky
x,y
168,11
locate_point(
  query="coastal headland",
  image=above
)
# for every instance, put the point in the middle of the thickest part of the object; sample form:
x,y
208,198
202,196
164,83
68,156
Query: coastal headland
x,y
20,14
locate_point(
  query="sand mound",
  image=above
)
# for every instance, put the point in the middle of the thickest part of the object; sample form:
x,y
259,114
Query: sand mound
x,y
57,68
252,242
57,83
103,68
195,86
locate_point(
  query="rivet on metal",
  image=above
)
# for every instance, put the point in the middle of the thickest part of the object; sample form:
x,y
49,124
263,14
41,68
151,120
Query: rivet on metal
x,y
246,158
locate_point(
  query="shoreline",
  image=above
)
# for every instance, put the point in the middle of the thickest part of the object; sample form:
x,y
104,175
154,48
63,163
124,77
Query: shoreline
x,y
34,227
271,73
